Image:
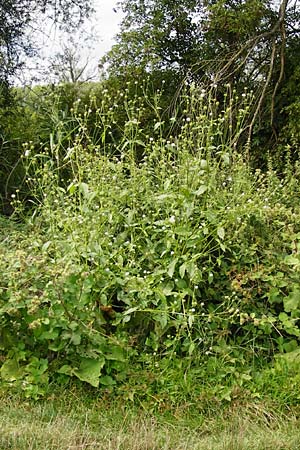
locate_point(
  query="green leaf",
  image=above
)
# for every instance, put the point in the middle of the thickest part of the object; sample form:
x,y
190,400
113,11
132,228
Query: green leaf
x,y
167,288
75,338
158,125
66,370
203,164
182,270
46,246
221,233
201,190
292,261
226,158
84,189
10,370
116,354
141,143
191,268
292,301
171,268
107,381
90,370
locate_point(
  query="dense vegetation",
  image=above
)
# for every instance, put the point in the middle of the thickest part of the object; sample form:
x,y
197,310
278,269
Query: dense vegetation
x,y
150,235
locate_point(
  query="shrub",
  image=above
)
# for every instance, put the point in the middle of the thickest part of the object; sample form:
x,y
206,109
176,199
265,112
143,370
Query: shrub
x,y
184,254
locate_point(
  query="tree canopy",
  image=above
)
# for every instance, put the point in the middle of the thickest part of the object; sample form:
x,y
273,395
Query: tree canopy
x,y
249,43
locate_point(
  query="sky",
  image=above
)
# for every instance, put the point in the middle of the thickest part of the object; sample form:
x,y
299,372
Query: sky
x,y
103,26
107,23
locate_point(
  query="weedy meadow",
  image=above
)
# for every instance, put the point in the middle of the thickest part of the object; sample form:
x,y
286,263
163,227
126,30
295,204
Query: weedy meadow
x,y
153,261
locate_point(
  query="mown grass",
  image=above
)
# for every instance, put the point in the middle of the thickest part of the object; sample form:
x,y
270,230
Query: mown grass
x,y
70,423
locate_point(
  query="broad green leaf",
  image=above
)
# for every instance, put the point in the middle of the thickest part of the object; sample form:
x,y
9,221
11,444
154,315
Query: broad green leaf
x,y
130,310
191,268
141,143
274,295
291,346
10,370
115,354
226,159
66,370
158,125
171,268
162,319
90,370
75,338
106,380
72,188
84,189
167,288
293,261
46,246
192,348
292,301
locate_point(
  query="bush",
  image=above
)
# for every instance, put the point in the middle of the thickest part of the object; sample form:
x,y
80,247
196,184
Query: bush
x,y
185,254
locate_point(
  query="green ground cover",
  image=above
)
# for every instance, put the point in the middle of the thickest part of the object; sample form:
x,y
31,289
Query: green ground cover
x,y
74,422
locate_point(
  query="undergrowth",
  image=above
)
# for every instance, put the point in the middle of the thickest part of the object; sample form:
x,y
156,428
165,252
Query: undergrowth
x,y
167,273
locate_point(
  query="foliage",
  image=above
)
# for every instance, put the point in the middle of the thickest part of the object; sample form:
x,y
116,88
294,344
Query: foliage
x,y
249,43
17,18
177,259
64,110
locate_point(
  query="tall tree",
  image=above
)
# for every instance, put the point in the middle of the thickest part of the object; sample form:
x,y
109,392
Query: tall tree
x,y
240,42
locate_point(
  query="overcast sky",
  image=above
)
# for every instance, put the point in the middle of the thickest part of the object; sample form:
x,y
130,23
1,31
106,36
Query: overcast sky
x,y
103,26
107,23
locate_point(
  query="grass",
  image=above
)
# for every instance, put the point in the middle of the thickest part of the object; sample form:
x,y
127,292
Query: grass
x,y
71,423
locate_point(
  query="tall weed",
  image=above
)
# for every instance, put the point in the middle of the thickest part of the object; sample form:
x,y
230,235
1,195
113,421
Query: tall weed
x,y
171,253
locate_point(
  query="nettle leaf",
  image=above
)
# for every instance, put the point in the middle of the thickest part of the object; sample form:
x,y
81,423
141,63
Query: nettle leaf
x,y
90,370
11,371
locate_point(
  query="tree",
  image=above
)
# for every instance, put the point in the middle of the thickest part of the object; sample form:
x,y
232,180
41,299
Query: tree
x,y
155,35
73,62
16,16
220,42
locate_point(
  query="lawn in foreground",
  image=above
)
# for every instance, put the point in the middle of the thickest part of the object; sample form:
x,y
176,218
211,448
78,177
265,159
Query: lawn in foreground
x,y
72,423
